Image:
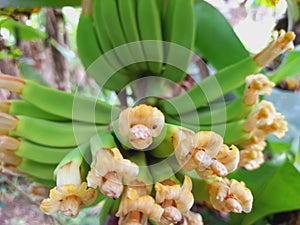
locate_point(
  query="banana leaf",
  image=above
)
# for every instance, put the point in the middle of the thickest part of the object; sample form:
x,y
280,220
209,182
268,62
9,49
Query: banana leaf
x,y
216,40
274,187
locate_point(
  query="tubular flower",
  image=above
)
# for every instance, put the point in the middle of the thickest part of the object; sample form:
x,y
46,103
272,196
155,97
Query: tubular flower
x,y
262,115
256,142
278,127
225,162
108,170
175,200
230,196
256,85
282,41
251,159
7,122
135,209
198,150
140,124
69,194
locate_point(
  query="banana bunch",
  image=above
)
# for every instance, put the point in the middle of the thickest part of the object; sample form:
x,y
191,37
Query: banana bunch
x,y
41,128
118,42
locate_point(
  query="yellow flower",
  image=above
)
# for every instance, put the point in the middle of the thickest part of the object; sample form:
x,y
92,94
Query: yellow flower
x,y
175,200
70,193
192,218
197,150
108,171
136,209
230,196
225,162
140,124
256,85
251,159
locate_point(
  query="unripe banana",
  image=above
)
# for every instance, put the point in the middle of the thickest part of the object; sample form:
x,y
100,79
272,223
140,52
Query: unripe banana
x,y
60,103
114,30
151,29
38,170
179,28
20,107
128,18
49,133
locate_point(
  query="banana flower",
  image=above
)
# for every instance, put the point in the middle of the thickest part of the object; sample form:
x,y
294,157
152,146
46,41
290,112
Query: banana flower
x,y
108,171
256,85
230,196
175,200
135,208
70,192
140,124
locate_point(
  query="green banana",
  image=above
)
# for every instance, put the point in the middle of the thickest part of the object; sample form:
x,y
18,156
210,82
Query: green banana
x,y
226,112
165,148
46,183
20,107
232,132
139,158
36,169
67,105
39,153
88,48
179,27
29,150
150,28
114,30
49,133
128,18
161,171
110,62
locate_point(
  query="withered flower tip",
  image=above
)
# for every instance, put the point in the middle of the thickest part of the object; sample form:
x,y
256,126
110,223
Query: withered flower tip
x,y
140,124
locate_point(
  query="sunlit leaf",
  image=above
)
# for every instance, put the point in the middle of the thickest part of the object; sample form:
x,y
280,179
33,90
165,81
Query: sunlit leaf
x,y
216,41
274,187
22,31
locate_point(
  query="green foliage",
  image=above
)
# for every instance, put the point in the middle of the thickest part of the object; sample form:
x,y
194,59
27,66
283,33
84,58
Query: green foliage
x,y
28,72
215,39
274,189
289,67
22,31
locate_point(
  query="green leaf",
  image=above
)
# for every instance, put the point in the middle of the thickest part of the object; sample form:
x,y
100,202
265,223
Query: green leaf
x,y
275,187
289,67
22,31
44,3
215,39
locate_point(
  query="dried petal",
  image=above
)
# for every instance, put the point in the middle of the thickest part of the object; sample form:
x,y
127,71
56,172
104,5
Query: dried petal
x,y
108,171
132,202
198,150
251,159
256,85
282,41
140,124
230,196
192,218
